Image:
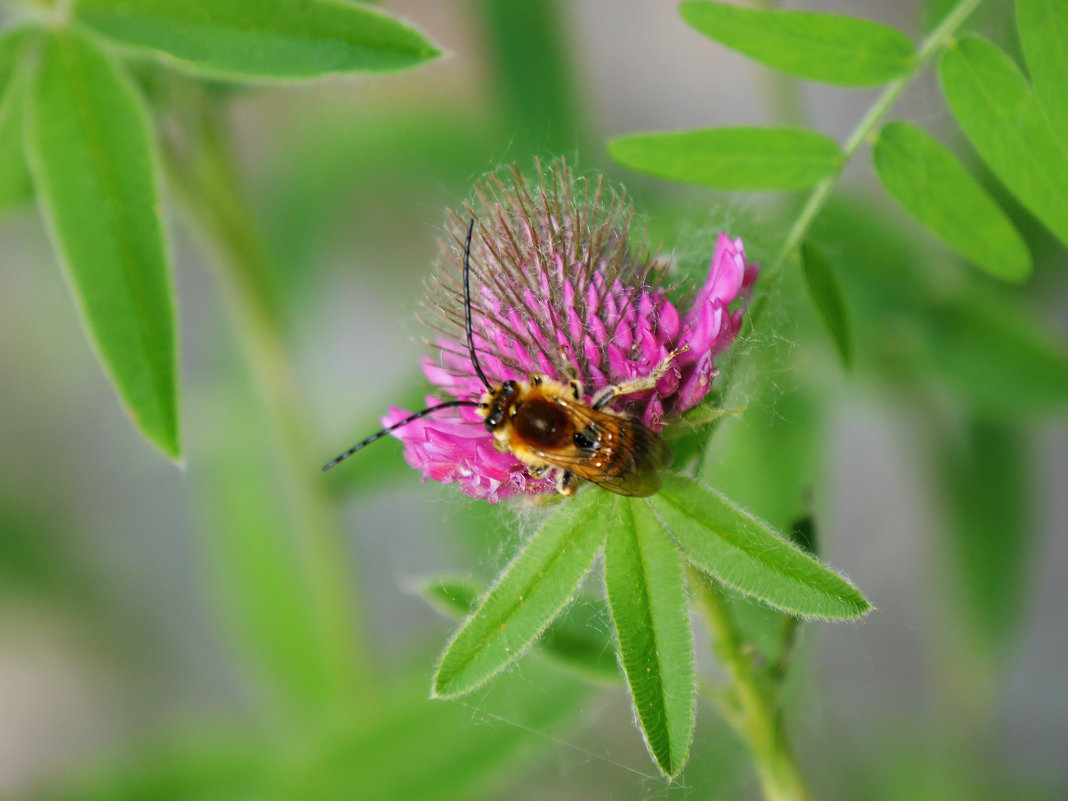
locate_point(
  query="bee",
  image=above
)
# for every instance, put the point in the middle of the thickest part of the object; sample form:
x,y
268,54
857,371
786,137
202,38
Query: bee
x,y
547,425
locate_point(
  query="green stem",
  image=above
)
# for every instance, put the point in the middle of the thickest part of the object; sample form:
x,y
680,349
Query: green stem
x,y
817,199
201,173
748,703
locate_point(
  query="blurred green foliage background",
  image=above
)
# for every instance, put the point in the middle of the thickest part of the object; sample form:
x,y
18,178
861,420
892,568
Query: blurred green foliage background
x,y
168,634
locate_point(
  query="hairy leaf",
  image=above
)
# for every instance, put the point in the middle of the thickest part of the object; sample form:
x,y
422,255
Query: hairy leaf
x,y
577,640
746,554
647,596
527,597
831,48
929,183
94,172
1043,26
783,159
265,40
995,107
823,287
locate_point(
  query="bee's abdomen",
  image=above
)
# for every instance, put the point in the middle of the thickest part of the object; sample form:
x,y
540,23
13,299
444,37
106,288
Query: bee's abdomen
x,y
542,424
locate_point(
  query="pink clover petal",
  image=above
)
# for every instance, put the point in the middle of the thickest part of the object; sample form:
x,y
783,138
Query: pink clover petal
x,y
731,328
695,385
650,349
669,321
653,416
618,364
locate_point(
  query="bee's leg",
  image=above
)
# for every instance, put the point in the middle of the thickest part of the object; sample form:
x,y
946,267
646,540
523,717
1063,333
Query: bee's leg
x,y
537,471
608,394
570,375
566,482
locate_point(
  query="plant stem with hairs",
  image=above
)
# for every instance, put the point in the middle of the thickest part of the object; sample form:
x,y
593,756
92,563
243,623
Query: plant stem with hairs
x,y
750,702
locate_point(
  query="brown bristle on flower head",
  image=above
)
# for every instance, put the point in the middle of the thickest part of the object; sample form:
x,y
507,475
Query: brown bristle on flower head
x,y
558,289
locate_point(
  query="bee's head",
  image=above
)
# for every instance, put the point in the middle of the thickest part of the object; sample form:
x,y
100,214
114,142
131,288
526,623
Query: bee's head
x,y
497,402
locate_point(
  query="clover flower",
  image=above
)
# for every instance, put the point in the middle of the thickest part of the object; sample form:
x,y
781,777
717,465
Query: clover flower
x,y
557,288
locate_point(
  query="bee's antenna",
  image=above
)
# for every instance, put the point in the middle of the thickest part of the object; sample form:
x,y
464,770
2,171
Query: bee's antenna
x,y
394,427
467,306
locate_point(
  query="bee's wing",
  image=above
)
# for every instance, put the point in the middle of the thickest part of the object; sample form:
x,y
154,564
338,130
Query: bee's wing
x,y
631,466
647,454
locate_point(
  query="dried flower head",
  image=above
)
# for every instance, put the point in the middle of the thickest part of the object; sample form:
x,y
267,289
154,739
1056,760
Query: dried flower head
x,y
557,288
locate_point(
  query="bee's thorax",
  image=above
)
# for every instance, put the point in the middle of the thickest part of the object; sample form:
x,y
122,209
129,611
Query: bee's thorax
x,y
541,423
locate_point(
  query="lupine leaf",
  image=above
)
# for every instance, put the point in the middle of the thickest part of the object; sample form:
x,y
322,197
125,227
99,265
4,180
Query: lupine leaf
x,y
747,555
265,40
997,110
783,159
577,639
647,595
94,172
831,48
15,184
826,293
527,597
1043,26
932,185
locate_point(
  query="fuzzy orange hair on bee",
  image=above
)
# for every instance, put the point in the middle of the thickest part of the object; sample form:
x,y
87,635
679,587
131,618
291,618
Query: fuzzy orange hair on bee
x,y
548,426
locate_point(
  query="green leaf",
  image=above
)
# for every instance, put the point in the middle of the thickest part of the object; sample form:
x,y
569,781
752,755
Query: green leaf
x,y
577,640
16,186
94,172
535,85
784,425
528,595
917,332
647,596
784,159
412,749
747,555
972,338
995,107
826,294
268,598
932,185
265,40
805,534
988,478
1043,26
464,750
205,763
831,48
